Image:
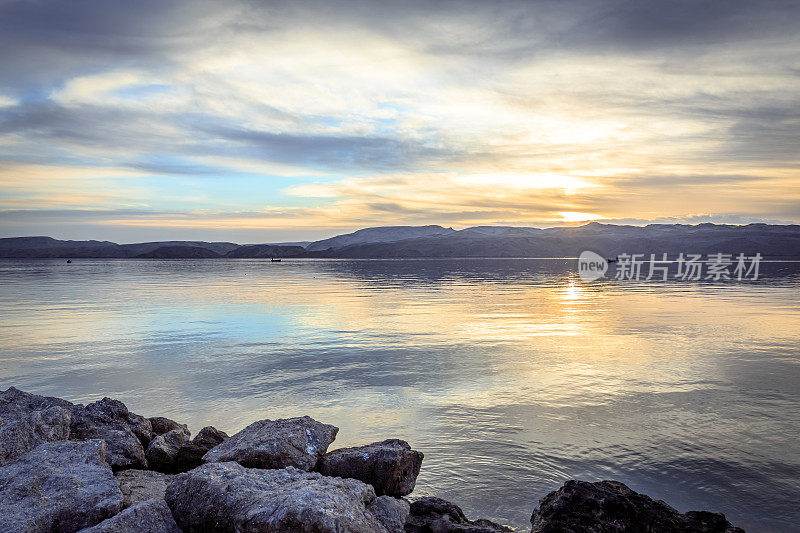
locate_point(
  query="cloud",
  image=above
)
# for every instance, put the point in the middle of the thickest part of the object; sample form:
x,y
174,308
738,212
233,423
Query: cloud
x,y
351,113
7,101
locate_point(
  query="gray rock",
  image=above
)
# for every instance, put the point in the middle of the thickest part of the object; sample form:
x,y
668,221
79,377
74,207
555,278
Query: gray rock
x,y
151,516
610,506
191,454
435,515
210,436
15,398
141,485
163,450
297,442
163,425
139,425
126,434
27,420
390,512
390,466
226,497
58,486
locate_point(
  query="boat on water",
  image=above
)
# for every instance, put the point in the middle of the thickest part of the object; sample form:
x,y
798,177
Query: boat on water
x,y
273,260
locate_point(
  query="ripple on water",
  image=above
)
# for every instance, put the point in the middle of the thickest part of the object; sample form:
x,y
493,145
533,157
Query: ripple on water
x,y
511,375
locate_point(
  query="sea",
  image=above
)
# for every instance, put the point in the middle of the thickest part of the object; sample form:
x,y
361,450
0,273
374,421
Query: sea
x,y
510,375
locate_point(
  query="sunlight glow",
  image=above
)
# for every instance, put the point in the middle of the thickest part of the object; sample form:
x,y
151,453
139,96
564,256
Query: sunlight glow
x,y
574,216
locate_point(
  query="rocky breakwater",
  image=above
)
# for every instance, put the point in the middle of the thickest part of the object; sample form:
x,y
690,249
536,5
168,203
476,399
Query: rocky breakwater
x,y
100,468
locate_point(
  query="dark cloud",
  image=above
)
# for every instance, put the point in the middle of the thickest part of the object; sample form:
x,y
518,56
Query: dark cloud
x,y
344,152
87,125
677,180
122,130
517,29
52,39
652,24
765,139
19,215
764,127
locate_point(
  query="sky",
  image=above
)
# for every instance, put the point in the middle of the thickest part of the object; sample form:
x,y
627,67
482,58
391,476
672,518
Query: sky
x,y
277,121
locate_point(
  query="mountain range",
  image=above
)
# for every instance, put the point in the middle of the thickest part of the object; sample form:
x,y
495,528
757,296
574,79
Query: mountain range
x,y
771,241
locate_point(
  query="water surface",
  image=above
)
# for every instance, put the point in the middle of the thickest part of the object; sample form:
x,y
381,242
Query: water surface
x,y
510,375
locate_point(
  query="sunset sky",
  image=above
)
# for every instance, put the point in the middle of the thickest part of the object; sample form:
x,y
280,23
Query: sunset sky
x,y
276,121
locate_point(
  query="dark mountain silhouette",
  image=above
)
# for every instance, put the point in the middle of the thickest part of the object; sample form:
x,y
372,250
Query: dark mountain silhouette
x,y
606,239
179,252
44,247
220,248
382,234
771,241
257,251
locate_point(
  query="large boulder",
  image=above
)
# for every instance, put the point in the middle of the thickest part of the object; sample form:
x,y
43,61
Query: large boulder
x,y
435,515
390,512
190,455
126,434
151,516
13,398
58,486
390,466
223,497
163,450
27,420
161,425
610,506
297,442
139,425
142,485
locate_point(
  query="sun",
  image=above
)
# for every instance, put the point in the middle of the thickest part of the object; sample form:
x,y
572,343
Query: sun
x,y
576,216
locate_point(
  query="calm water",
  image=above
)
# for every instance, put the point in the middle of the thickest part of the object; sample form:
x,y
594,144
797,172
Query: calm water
x,y
511,375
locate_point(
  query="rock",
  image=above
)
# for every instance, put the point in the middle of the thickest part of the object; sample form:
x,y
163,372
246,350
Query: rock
x,y
163,450
297,442
163,425
435,515
191,454
151,516
58,486
142,485
126,434
27,420
221,497
390,512
611,506
26,431
210,436
390,466
31,402
139,425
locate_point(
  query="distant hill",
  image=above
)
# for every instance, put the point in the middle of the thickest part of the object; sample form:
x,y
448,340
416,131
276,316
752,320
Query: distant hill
x,y
179,252
606,239
301,244
385,234
220,248
772,241
44,247
260,251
